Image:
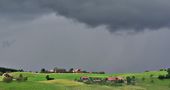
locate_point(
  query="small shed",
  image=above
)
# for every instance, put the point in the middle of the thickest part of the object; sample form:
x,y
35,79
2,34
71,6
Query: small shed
x,y
84,78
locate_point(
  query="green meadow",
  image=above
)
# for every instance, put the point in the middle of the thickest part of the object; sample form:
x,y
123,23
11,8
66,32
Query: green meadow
x,y
65,81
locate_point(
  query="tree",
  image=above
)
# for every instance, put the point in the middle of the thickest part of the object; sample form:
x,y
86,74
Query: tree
x,y
21,70
1,73
168,75
43,70
146,70
133,77
133,80
143,78
162,69
161,77
84,71
21,78
48,77
4,70
102,72
168,70
128,80
71,70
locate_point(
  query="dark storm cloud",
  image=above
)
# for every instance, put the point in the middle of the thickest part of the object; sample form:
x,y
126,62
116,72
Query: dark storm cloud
x,y
134,15
21,9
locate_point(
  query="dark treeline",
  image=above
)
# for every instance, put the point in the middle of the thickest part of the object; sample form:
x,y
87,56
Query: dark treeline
x,y
4,70
71,70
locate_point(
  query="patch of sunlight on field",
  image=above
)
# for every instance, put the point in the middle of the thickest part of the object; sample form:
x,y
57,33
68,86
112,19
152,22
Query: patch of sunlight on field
x,y
97,87
72,85
89,87
63,82
133,88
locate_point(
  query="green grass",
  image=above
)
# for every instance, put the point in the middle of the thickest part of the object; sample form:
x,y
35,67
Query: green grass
x,y
37,81
69,76
27,86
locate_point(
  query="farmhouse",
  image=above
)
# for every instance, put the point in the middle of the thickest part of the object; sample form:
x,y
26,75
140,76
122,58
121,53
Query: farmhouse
x,y
51,71
77,71
115,79
60,71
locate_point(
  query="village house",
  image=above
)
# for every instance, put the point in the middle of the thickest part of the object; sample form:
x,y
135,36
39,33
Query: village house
x,y
51,71
114,79
58,70
77,71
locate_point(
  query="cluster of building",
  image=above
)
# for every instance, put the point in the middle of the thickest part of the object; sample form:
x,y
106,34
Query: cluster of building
x,y
60,70
108,79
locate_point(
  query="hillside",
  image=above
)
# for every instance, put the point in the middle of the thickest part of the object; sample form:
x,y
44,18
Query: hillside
x,y
37,81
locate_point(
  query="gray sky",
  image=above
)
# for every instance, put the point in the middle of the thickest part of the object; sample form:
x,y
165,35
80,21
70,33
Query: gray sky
x,y
95,35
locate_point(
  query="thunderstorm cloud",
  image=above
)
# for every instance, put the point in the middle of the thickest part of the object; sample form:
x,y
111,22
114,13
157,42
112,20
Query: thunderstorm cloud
x,y
136,15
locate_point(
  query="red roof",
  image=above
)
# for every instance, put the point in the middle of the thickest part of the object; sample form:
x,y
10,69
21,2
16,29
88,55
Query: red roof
x,y
84,77
111,79
114,78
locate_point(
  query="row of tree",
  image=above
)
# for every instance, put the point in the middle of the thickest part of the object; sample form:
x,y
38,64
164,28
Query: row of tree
x,y
4,70
71,70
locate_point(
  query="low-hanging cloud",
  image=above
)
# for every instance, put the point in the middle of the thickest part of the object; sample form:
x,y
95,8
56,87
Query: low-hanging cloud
x,y
117,15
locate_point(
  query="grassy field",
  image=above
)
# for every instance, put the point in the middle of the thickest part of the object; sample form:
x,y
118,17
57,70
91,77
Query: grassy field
x,y
37,81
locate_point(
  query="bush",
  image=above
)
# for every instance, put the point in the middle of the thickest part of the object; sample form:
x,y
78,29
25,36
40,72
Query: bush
x,y
1,73
168,70
128,80
102,82
161,77
101,72
79,80
117,84
88,82
7,79
133,80
162,70
152,81
147,71
48,78
25,78
119,81
143,79
43,70
151,75
84,72
21,78
167,76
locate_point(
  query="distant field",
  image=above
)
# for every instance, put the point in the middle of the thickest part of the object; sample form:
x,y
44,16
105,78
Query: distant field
x,y
37,81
